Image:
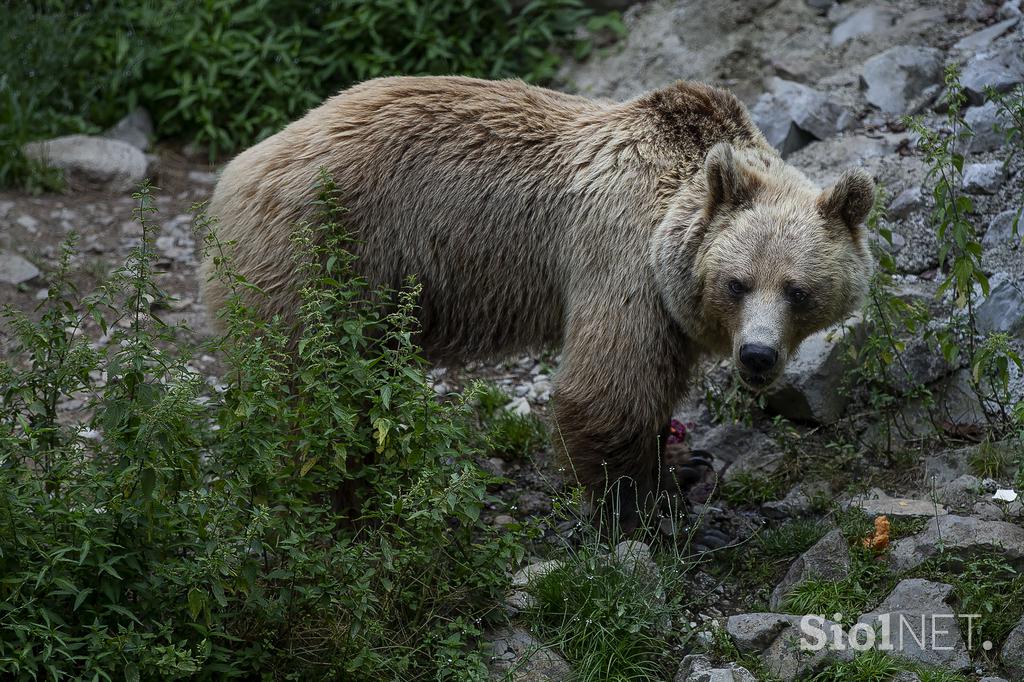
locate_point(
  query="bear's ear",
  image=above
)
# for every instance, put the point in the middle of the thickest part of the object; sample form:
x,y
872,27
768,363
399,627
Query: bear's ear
x,y
728,184
849,200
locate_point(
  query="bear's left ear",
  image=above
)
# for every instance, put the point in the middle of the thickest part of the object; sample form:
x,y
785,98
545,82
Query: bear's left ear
x,y
849,200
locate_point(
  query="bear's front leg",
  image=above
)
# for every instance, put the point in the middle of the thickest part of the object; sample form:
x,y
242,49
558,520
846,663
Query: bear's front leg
x,y
614,456
622,375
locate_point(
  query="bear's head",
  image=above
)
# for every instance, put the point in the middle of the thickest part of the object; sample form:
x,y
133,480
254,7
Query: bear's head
x,y
751,258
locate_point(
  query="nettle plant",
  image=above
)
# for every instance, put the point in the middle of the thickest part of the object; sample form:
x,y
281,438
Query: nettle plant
x,y
315,516
880,364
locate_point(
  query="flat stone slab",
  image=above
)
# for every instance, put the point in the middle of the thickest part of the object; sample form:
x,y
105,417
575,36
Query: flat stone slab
x,y
915,623
958,536
900,506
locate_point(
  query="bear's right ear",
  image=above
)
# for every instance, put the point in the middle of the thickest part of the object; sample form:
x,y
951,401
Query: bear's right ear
x,y
850,199
728,184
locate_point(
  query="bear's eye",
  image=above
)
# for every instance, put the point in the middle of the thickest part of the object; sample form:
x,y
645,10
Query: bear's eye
x,y
796,295
737,288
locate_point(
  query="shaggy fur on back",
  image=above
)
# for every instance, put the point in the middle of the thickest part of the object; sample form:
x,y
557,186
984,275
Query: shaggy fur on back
x,y
532,219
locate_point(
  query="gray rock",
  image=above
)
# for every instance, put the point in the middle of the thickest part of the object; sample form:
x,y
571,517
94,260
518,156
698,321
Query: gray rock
x,y
912,608
1000,229
961,491
828,559
956,402
517,657
797,502
958,536
635,557
792,115
776,638
896,80
731,442
1009,9
900,506
528,574
752,633
203,177
28,222
867,21
979,40
758,464
91,162
809,389
696,668
922,364
983,178
16,270
993,679
999,69
1002,310
820,5
906,202
136,129
985,122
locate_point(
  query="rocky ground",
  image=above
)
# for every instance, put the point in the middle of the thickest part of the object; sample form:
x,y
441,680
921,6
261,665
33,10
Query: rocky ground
x,y
829,83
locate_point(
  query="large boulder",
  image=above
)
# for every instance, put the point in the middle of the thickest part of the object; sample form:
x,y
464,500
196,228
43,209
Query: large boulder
x,y
998,69
923,627
1003,309
828,559
958,537
16,270
91,162
792,115
897,80
809,389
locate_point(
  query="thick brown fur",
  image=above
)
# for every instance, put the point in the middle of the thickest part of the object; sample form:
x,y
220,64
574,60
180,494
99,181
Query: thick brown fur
x,y
534,218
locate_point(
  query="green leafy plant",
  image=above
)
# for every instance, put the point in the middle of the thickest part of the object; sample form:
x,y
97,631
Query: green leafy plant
x,y
870,666
317,516
610,620
225,73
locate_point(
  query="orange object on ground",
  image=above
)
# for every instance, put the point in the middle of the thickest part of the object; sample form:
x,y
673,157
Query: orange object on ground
x,y
879,540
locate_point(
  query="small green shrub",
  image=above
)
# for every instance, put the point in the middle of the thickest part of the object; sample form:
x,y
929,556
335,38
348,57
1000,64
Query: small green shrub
x,y
610,622
187,532
751,489
515,435
848,597
789,540
987,586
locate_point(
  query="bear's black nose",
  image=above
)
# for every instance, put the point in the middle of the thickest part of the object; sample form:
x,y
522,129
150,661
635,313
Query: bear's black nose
x,y
757,358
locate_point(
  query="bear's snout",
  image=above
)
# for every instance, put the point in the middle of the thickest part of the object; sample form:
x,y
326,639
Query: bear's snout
x,y
758,358
758,361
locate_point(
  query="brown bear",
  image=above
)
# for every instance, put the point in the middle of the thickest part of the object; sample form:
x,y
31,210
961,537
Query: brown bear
x,y
638,236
